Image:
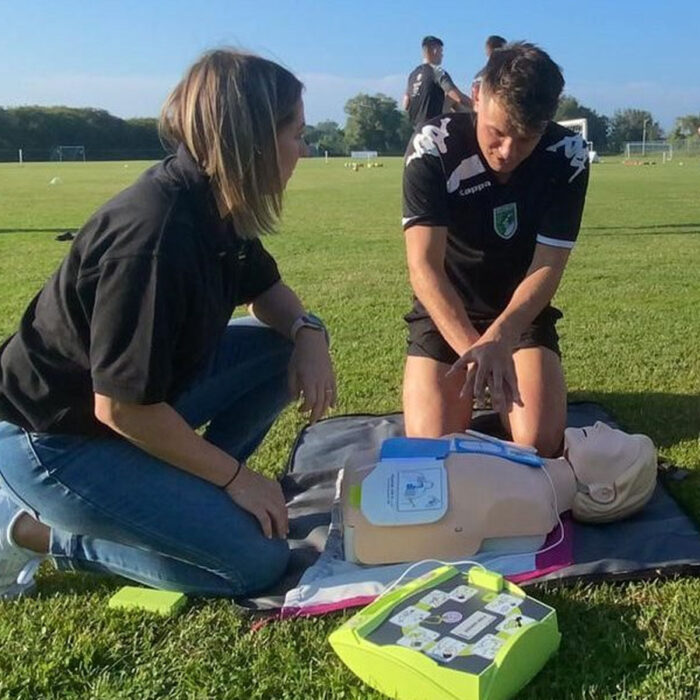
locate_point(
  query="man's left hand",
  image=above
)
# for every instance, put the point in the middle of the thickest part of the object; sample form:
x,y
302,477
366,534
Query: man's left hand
x,y
489,363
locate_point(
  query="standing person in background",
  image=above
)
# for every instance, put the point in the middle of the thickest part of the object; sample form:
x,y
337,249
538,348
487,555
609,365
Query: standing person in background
x,y
128,349
429,85
492,208
492,43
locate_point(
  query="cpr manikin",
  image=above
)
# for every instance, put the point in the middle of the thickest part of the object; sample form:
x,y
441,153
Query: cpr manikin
x,y
402,509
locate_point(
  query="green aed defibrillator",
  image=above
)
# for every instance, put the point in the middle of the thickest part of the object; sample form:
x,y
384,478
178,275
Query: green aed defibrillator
x,y
449,634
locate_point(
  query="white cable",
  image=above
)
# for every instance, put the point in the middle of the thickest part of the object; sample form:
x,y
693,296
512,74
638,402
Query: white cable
x,y
427,561
489,563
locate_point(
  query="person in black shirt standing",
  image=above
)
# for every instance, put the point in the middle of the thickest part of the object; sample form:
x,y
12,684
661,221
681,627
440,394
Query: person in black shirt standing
x,y
428,84
129,348
493,43
492,208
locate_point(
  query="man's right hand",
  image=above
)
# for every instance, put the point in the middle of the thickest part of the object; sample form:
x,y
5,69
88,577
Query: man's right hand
x,y
489,363
263,498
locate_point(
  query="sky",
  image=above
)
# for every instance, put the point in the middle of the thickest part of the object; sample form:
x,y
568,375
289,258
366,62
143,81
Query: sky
x,y
125,55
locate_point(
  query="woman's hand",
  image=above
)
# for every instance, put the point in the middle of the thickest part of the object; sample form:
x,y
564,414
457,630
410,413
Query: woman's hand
x,y
489,363
311,373
263,498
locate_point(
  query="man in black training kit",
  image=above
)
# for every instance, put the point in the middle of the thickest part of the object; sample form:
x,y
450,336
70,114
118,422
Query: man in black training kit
x,y
493,43
492,208
428,84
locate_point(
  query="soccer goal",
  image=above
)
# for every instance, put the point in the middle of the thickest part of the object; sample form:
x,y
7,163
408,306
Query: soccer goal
x,y
580,126
68,153
363,155
649,149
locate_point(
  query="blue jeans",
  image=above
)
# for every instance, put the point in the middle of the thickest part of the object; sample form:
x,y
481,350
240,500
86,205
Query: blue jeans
x,y
113,508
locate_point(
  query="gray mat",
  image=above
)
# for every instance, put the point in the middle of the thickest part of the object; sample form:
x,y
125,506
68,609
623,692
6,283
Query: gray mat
x,y
659,541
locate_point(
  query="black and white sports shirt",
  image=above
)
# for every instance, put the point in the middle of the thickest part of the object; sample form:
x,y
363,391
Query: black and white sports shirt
x,y
427,85
492,228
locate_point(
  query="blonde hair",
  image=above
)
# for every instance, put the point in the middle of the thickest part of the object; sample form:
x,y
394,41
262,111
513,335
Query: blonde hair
x,y
227,111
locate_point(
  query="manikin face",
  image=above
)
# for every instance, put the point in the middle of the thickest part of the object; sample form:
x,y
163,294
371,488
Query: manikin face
x,y
290,144
615,472
503,147
600,454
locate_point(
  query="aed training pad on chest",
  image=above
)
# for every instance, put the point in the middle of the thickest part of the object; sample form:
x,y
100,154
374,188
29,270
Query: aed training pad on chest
x,y
449,634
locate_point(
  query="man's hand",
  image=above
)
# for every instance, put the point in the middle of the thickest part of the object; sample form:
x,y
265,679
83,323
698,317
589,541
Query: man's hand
x,y
311,373
489,363
262,497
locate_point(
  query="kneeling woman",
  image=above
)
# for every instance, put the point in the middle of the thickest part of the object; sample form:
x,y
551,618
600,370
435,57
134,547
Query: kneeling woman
x,y
129,348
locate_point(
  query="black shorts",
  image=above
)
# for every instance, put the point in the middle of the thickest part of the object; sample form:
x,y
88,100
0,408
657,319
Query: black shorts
x,y
424,339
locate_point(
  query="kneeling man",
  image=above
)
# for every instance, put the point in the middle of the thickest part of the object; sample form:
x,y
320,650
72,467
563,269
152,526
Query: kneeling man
x,y
492,207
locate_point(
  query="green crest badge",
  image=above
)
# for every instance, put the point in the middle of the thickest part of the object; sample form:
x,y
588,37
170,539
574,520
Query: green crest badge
x,y
505,220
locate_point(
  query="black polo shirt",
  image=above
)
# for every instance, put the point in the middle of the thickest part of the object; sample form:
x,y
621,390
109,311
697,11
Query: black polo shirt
x,y
136,308
492,228
427,85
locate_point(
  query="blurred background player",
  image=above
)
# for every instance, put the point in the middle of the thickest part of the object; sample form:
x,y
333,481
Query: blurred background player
x,y
492,43
429,84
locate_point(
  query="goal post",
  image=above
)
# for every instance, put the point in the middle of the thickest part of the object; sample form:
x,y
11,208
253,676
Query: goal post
x,y
68,153
646,149
580,126
363,155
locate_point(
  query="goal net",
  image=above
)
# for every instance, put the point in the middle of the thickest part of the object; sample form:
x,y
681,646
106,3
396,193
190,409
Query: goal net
x,y
649,149
68,153
363,155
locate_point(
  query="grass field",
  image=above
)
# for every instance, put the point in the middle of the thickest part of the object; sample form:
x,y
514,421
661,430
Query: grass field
x,y
630,338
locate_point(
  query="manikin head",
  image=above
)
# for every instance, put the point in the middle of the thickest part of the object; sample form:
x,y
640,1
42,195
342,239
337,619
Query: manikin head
x,y
432,50
615,472
514,100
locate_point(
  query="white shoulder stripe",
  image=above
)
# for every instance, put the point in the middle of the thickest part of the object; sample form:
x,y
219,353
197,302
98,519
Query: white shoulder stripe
x,y
554,242
468,168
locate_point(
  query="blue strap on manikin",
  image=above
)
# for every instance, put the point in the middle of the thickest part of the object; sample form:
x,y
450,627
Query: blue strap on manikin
x,y
411,448
402,448
497,448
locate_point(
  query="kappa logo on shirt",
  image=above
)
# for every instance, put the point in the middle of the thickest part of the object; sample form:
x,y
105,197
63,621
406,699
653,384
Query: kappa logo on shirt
x,y
576,149
468,168
430,140
505,220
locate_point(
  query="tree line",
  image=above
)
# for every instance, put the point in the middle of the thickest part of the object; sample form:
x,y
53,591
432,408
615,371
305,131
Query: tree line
x,y
609,134
374,122
39,130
